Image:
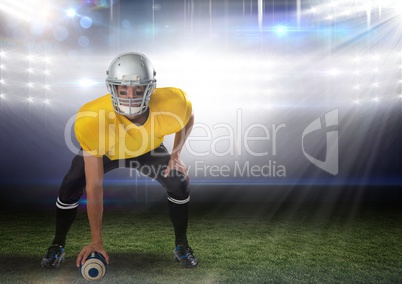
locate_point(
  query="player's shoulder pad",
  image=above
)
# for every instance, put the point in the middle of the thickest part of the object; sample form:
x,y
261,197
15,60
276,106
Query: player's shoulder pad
x,y
89,115
171,99
173,106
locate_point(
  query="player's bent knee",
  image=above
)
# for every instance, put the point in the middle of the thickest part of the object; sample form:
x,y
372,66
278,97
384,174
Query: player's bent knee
x,y
177,187
69,195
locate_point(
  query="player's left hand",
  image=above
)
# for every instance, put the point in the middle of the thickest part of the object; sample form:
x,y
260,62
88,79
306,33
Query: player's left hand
x,y
176,164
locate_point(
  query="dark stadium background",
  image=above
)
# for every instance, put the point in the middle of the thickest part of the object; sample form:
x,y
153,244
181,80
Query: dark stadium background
x,y
242,63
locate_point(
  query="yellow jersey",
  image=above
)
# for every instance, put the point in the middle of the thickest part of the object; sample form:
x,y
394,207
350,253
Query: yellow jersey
x,y
101,131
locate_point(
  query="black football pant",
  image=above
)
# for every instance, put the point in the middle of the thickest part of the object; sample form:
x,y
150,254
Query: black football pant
x,y
151,164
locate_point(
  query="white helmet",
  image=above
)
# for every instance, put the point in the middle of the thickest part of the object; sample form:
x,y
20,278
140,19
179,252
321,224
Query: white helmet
x,y
131,69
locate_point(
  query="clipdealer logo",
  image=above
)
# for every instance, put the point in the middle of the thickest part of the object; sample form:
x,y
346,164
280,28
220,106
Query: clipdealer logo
x,y
233,140
331,162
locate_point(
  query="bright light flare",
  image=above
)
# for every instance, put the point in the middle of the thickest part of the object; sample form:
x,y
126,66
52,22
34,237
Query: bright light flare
x,y
355,9
334,72
280,29
2,96
87,83
28,10
14,12
71,12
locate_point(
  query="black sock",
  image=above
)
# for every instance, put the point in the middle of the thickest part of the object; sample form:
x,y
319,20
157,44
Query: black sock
x,y
64,219
178,214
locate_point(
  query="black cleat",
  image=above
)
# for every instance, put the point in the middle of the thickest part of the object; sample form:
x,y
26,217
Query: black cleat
x,y
53,258
185,255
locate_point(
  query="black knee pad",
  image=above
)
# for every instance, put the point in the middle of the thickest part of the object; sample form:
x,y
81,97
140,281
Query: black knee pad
x,y
70,193
177,187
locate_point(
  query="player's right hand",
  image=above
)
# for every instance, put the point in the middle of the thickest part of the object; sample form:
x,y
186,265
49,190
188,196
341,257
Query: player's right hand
x,y
87,250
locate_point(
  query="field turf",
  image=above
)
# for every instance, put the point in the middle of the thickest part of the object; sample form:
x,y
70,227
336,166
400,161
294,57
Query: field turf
x,y
235,243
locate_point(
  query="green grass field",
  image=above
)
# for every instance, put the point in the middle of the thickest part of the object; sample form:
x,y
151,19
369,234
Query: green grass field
x,y
235,243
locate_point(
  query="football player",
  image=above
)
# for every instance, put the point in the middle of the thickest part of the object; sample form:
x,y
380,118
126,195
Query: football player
x,y
127,128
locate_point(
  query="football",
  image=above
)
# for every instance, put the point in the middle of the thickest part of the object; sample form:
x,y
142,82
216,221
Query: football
x,y
94,268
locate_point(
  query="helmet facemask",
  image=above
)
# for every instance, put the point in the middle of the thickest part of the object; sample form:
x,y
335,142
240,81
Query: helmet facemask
x,y
131,69
131,106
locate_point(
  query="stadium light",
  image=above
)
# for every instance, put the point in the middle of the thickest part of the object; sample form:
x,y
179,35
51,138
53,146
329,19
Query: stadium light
x,y
2,96
30,99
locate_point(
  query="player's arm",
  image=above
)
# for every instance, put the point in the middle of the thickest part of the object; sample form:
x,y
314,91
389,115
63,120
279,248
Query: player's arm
x,y
179,140
94,189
